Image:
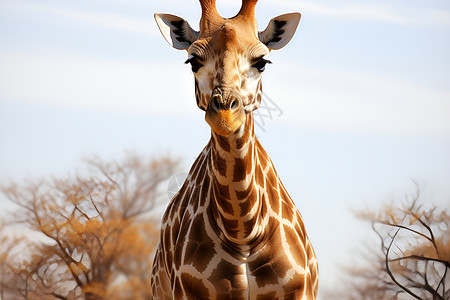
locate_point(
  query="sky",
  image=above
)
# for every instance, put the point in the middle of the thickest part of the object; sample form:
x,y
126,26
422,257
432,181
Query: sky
x,y
357,105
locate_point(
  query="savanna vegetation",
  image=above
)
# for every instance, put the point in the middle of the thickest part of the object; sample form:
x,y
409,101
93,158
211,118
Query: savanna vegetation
x,y
84,237
412,259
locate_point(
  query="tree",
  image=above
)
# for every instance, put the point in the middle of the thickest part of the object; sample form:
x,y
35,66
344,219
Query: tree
x,y
413,261
96,237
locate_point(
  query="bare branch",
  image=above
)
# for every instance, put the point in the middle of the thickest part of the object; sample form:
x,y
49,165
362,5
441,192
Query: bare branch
x,y
414,259
93,232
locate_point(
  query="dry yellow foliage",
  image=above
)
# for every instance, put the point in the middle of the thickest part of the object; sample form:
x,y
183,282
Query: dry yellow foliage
x,y
96,237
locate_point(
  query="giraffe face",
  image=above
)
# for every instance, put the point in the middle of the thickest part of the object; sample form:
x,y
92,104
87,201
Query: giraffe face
x,y
228,71
228,57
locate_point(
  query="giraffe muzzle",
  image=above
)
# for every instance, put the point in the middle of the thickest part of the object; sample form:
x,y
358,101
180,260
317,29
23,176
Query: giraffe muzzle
x,y
225,112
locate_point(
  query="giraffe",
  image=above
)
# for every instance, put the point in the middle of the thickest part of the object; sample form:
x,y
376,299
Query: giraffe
x,y
232,231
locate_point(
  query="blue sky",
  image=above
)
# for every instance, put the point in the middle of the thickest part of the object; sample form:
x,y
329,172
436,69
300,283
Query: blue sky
x,y
364,89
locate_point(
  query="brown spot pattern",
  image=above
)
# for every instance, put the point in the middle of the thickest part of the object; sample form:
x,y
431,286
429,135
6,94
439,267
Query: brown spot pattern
x,y
220,164
241,195
268,296
246,206
205,189
226,278
223,143
297,250
200,247
222,190
194,287
287,212
178,291
239,170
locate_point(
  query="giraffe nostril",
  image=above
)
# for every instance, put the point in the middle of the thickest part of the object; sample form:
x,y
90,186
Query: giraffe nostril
x,y
233,105
216,102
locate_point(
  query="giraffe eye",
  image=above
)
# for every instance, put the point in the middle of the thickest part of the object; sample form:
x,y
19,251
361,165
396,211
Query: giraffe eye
x,y
260,64
195,63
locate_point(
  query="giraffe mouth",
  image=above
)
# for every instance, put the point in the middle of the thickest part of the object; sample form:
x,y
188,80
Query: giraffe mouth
x,y
225,122
225,112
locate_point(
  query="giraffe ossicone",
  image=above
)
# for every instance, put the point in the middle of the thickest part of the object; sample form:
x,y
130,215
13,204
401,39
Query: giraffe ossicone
x,y
232,231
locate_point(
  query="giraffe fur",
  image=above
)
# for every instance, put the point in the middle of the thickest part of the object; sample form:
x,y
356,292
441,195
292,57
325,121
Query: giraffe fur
x,y
232,231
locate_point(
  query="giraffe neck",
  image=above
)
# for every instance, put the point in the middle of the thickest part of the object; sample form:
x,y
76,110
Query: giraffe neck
x,y
235,201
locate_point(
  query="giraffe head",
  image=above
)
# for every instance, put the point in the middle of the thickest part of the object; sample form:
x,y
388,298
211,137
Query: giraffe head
x,y
228,57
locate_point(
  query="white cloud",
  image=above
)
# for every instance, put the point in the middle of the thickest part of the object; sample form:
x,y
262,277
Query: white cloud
x,y
96,84
111,20
117,21
360,102
388,12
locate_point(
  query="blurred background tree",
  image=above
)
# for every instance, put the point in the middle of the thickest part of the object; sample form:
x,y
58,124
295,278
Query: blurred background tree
x,y
413,261
90,237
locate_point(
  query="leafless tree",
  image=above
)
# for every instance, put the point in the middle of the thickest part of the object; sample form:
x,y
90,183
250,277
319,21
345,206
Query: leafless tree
x,y
413,260
94,238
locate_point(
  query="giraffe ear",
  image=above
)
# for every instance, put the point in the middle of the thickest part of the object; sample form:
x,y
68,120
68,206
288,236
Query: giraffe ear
x,y
176,31
280,31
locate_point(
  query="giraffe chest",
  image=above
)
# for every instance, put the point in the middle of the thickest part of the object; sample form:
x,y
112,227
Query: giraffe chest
x,y
206,267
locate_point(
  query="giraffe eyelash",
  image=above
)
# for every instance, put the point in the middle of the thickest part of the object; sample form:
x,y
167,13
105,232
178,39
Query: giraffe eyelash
x,y
260,64
194,60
